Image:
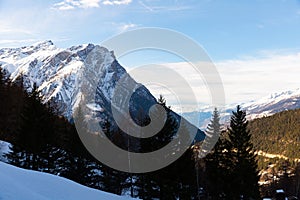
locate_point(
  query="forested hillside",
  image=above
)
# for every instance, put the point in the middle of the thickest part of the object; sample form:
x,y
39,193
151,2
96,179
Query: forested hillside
x,y
278,134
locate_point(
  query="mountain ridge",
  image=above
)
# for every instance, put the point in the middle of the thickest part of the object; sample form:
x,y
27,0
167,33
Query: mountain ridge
x,y
263,107
56,72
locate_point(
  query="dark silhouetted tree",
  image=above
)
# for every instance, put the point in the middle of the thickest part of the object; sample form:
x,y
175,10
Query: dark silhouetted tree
x,y
215,162
242,181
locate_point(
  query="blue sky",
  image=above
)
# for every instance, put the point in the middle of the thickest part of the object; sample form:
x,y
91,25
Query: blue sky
x,y
235,34
226,29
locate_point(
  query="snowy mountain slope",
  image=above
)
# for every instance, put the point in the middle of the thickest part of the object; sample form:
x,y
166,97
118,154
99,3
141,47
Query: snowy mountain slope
x,y
17,183
56,72
274,103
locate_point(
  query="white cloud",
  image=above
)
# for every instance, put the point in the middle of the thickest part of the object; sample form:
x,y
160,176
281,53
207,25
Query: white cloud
x,y
243,79
122,26
90,3
251,79
116,2
63,6
164,8
125,27
72,4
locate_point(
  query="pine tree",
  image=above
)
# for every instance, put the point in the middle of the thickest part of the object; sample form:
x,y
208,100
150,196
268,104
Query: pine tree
x,y
161,100
243,174
112,180
170,128
165,135
16,156
215,169
185,171
212,132
4,101
297,181
178,180
147,187
34,133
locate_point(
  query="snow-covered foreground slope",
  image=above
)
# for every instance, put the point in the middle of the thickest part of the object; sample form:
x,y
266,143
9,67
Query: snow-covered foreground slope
x,y
17,184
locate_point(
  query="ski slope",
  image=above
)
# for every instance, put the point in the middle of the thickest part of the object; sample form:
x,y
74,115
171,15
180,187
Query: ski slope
x,y
17,184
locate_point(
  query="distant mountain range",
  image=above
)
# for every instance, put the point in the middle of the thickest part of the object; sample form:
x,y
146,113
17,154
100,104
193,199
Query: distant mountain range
x,y
56,73
267,106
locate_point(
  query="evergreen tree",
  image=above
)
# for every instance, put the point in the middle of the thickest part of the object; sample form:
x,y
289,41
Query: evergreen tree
x,y
215,170
242,181
170,128
16,100
161,100
165,135
79,169
34,133
297,181
185,171
112,180
212,132
3,83
16,156
147,186
178,180
4,101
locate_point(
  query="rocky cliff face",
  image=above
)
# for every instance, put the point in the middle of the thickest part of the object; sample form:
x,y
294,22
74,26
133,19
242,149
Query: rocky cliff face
x,y
56,72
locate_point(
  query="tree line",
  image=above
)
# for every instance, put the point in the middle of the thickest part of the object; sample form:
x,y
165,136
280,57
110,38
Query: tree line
x,y
45,141
278,134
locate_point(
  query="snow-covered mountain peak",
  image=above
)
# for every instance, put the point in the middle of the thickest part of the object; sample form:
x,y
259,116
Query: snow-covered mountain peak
x,y
285,94
43,44
266,106
276,102
55,70
61,73
273,99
